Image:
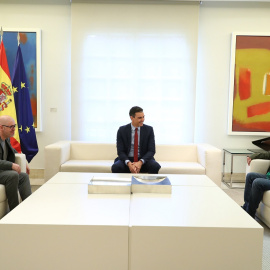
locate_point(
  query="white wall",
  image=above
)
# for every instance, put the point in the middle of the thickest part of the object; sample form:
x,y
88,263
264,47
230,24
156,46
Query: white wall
x,y
54,22
216,23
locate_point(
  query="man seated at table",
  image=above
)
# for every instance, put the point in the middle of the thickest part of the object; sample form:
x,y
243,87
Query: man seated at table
x,y
256,185
10,172
135,146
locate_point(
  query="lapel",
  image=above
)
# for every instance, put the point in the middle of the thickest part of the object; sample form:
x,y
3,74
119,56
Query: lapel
x,y
10,153
142,132
129,135
1,152
8,148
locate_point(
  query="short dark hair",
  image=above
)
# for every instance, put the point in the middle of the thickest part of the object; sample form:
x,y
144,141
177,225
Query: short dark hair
x,y
134,110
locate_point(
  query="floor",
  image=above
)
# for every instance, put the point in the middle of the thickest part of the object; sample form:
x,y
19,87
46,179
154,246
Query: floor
x,y
237,194
34,188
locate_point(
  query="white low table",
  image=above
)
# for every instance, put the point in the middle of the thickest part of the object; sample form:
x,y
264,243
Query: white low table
x,y
198,226
84,178
60,226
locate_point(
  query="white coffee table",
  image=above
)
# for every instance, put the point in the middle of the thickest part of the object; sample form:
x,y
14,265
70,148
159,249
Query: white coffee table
x,y
198,226
176,179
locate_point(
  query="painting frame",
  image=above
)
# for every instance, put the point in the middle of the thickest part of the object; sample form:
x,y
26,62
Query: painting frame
x,y
233,83
37,33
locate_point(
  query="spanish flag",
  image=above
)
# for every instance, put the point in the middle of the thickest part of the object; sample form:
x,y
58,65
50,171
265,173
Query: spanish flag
x,y
7,105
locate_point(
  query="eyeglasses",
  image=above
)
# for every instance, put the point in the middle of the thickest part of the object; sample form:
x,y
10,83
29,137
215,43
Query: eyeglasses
x,y
11,127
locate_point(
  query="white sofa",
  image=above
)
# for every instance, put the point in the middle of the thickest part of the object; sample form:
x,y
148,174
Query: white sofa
x,y
76,156
263,211
21,160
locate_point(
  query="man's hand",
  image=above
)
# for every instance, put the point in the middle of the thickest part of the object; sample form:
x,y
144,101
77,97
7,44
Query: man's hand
x,y
16,167
138,165
27,169
248,160
132,167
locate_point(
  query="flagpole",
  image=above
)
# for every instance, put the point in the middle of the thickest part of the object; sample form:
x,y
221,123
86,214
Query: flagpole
x,y
1,33
18,38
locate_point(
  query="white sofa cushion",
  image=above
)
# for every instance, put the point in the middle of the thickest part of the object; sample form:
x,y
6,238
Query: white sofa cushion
x,y
258,166
181,168
92,151
266,198
3,196
263,213
177,153
105,166
102,166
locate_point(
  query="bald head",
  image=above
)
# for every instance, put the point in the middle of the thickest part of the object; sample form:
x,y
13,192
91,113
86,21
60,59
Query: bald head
x,y
7,127
5,119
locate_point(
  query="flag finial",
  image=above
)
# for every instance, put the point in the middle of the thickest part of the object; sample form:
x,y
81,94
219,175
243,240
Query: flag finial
x,y
18,38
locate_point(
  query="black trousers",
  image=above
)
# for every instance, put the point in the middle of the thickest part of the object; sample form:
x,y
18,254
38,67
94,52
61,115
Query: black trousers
x,y
151,166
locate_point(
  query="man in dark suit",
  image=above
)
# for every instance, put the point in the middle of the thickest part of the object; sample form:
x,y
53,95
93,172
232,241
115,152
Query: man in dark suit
x,y
135,146
10,172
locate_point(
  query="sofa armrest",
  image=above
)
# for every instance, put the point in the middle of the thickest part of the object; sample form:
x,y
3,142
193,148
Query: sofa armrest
x,y
21,160
258,166
210,158
55,155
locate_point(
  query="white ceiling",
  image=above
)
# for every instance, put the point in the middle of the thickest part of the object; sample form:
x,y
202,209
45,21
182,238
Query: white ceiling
x,y
68,2
36,2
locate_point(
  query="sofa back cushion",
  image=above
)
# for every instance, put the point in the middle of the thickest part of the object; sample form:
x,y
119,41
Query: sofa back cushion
x,y
92,151
108,151
178,153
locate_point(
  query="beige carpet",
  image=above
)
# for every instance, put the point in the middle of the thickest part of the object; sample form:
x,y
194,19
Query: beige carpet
x,y
238,196
34,188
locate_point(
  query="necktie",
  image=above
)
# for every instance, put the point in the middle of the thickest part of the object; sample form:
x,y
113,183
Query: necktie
x,y
136,145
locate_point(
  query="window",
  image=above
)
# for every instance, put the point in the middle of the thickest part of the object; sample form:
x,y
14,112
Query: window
x,y
151,69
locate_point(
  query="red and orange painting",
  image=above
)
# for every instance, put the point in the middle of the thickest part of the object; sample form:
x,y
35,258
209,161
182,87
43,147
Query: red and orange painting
x,y
251,85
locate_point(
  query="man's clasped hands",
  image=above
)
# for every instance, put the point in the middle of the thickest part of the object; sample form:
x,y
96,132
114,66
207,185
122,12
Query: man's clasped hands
x,y
135,167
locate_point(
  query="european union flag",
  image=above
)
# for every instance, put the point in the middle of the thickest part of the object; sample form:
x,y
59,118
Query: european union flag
x,y
24,113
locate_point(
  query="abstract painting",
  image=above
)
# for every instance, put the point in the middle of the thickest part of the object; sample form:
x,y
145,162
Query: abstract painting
x,y
249,109
30,47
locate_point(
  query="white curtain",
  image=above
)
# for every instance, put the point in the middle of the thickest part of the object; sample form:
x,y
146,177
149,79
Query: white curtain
x,y
125,55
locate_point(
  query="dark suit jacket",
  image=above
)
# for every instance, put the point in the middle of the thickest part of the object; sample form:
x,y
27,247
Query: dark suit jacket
x,y
7,164
147,142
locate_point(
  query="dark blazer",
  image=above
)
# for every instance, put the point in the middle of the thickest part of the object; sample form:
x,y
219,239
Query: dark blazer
x,y
147,142
7,164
